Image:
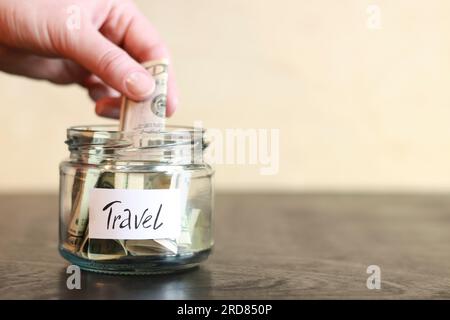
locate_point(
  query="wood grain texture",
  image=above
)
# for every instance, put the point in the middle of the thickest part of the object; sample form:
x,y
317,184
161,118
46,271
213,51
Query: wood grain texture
x,y
291,246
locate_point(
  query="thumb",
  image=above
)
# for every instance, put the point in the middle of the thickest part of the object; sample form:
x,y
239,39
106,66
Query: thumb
x,y
113,65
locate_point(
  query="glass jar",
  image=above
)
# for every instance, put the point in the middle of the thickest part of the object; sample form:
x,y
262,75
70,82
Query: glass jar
x,y
135,203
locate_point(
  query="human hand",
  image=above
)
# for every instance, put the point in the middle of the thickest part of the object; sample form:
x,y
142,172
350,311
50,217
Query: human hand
x,y
102,51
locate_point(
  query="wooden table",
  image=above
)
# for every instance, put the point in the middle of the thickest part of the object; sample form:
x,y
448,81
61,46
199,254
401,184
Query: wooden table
x,y
280,246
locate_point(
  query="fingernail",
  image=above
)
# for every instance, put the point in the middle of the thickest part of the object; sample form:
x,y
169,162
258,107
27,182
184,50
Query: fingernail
x,y
140,84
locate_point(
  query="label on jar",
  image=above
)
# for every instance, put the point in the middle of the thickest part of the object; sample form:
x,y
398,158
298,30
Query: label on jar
x,y
134,214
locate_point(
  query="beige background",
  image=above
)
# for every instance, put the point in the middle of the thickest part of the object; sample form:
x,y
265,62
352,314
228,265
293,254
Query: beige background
x,y
357,108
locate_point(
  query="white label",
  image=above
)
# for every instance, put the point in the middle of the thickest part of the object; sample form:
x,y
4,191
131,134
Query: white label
x,y
134,214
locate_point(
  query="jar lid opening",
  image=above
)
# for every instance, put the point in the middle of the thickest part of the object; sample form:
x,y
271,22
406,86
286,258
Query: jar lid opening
x,y
108,140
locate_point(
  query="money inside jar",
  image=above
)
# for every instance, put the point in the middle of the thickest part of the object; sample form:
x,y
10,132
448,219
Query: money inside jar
x,y
136,117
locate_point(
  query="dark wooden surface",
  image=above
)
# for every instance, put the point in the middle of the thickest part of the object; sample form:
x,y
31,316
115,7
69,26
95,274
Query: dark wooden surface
x,y
267,246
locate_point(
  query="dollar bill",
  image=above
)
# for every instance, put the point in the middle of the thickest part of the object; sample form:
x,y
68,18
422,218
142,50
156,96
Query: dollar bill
x,y
145,116
180,181
175,180
148,115
151,246
188,223
84,180
104,249
101,249
201,232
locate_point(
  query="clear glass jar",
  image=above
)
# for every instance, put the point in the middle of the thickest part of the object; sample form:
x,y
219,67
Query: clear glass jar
x,y
101,157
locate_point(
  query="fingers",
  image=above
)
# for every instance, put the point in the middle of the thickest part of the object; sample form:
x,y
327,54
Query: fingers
x,y
108,107
100,53
97,89
128,27
20,62
107,99
113,65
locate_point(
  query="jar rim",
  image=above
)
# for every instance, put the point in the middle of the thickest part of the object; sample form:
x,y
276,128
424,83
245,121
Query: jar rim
x,y
113,128
97,141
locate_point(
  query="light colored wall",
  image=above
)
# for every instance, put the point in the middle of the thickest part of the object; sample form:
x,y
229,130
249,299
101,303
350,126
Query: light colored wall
x,y
357,108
